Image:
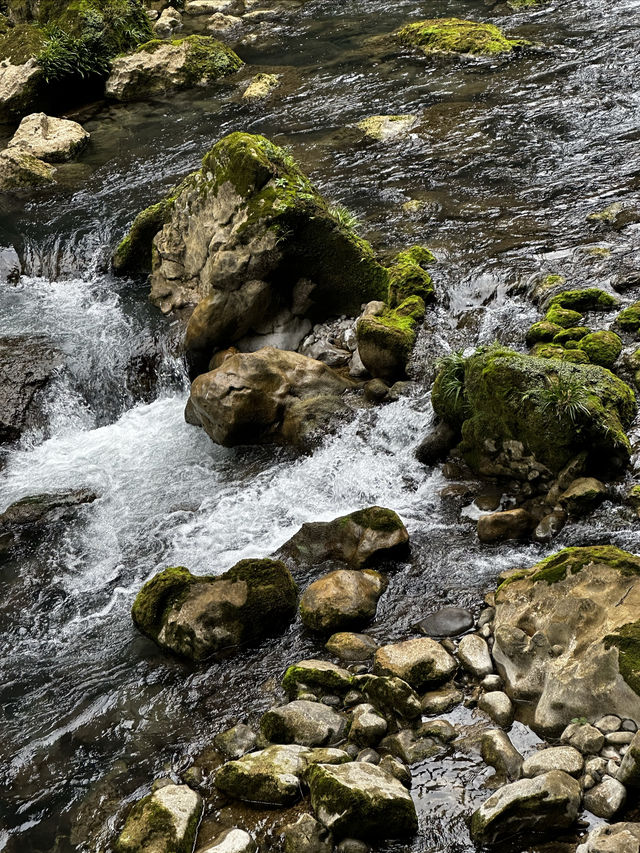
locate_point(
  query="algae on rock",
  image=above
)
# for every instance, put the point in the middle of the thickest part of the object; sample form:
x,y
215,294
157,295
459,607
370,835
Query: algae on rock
x,y
457,36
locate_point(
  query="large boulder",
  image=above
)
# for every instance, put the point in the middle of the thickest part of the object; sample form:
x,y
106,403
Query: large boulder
x,y
267,397
164,822
51,139
356,539
27,367
342,600
361,800
619,838
196,616
247,239
160,66
526,417
303,722
541,805
567,636
19,85
29,519
422,663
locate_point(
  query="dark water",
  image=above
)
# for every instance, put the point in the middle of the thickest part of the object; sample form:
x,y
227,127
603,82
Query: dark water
x,y
511,158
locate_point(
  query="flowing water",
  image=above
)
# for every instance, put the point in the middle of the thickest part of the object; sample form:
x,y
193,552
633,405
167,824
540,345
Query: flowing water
x,y
510,157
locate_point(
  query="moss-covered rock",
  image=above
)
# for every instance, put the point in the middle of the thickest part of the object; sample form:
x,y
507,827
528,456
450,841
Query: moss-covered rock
x,y
390,695
384,128
603,347
408,276
551,408
629,318
566,336
197,616
162,65
164,822
305,723
456,36
386,338
542,332
563,317
316,675
22,171
586,299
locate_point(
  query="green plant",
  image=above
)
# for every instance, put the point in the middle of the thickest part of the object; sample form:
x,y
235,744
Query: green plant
x,y
563,397
451,378
344,217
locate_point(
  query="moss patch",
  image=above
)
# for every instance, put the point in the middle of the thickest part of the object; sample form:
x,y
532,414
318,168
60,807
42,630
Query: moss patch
x,y
629,319
588,299
542,332
158,595
385,341
564,317
570,561
408,276
574,333
458,36
603,348
627,641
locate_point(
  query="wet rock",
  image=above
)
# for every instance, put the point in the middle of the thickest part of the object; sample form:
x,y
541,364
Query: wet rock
x,y
356,539
304,723
498,752
375,391
391,696
231,841
196,616
384,128
169,22
422,663
441,700
352,845
368,755
367,726
163,822
351,647
498,706
361,800
236,741
629,772
540,805
30,517
491,682
583,496
19,85
21,171
565,758
446,622
435,446
27,367
396,768
54,140
319,674
260,87
162,66
584,737
410,746
619,838
458,37
386,337
474,655
502,526
549,526
342,599
307,835
577,657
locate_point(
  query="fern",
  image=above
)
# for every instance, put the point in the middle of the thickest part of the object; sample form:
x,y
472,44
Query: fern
x,y
344,217
564,397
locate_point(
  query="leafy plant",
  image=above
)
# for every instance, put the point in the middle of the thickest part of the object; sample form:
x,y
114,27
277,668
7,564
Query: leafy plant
x,y
344,217
562,396
451,378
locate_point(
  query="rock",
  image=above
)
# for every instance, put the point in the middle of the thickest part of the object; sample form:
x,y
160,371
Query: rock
x,y
474,656
602,348
396,768
160,66
369,755
578,656
608,724
384,128
629,772
391,696
502,526
345,598
498,706
261,86
458,37
196,616
352,845
54,140
491,682
583,496
422,663
27,368
367,726
163,822
549,526
361,800
386,339
319,674
236,741
441,700
540,805
357,539
584,737
231,841
619,738
169,22
30,518
410,746
605,799
435,447
619,838
553,398
19,170
446,622
304,723
351,647
565,758
498,752
19,86
307,835
267,397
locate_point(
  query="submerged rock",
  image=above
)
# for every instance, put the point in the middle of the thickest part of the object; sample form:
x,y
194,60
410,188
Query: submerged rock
x,y
383,128
27,367
446,622
345,598
27,518
164,822
267,397
307,835
160,66
196,616
580,654
47,138
458,37
261,86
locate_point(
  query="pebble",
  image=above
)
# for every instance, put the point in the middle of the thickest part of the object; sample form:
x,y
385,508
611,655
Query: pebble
x,y
608,724
498,706
619,738
612,767
605,799
486,616
584,737
629,726
369,756
474,655
565,758
491,682
353,697
331,701
588,781
610,752
486,631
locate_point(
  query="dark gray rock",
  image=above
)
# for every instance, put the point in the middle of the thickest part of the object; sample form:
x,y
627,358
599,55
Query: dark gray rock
x,y
447,622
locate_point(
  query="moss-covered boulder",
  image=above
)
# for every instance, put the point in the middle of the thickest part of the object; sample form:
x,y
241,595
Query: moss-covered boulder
x,y
409,276
164,822
572,334
386,337
585,299
602,348
305,723
580,654
196,616
357,539
341,600
20,170
521,414
161,66
542,332
563,317
360,800
422,662
629,318
316,676
248,239
458,37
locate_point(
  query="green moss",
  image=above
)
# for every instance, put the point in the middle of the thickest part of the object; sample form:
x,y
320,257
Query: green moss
x,y
317,675
627,641
207,58
574,333
157,596
458,36
588,299
608,215
542,332
548,351
150,827
19,43
570,561
408,276
385,341
603,348
376,518
563,317
575,356
629,319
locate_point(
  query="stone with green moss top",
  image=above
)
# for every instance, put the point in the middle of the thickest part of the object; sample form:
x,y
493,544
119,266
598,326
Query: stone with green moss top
x,y
603,347
408,276
629,318
563,317
383,128
542,332
456,36
164,822
22,171
390,695
565,336
305,723
360,800
316,675
196,616
261,86
586,299
386,338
